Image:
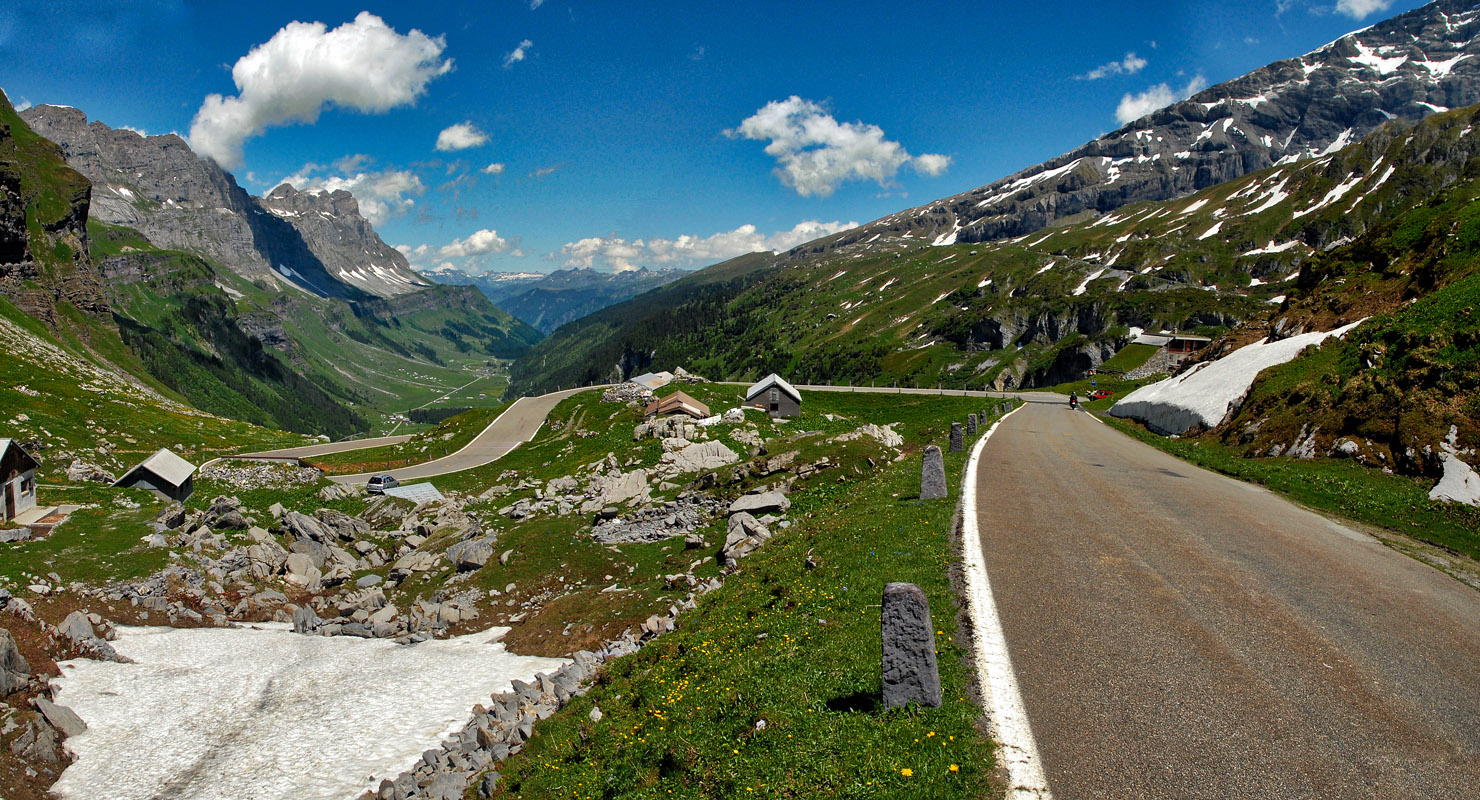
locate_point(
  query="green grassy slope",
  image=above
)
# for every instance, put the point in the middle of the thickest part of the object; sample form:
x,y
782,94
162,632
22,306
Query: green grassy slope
x,y
329,366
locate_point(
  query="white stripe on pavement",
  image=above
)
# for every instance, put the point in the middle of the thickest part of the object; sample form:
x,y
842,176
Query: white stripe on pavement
x,y
1017,749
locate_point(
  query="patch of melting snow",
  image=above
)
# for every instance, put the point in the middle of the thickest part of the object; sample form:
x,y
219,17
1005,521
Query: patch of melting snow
x,y
1213,231
1369,58
1332,196
1195,206
1273,198
1206,394
1432,107
1084,284
263,712
1273,248
1276,300
1045,268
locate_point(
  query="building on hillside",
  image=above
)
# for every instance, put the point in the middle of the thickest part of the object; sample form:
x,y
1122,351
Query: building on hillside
x,y
677,403
775,396
164,473
17,480
1186,344
653,380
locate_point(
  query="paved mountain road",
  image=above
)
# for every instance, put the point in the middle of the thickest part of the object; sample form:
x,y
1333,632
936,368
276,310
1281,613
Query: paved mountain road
x,y
1178,634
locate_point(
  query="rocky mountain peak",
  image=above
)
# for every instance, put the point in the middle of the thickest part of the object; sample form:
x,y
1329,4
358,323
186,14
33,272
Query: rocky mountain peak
x,y
1406,68
292,240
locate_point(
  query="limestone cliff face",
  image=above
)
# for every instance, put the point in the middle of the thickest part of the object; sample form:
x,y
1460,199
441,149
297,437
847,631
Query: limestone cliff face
x,y
1408,67
43,226
158,186
344,242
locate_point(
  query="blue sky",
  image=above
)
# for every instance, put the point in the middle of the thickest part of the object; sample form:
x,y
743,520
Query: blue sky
x,y
618,135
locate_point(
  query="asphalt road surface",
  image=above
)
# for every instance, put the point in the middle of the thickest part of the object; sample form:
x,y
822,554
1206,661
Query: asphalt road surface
x,y
517,425
1178,634
326,449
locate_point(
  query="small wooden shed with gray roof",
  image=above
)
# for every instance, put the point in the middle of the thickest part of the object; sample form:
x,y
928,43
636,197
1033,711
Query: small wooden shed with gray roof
x,y
775,396
17,480
163,473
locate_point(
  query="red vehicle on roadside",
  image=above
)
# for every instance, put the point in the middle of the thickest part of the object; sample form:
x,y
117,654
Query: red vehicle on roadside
x,y
1100,394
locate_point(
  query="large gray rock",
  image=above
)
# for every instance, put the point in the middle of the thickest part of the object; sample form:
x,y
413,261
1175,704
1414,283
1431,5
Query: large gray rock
x,y
467,556
745,534
303,526
302,571
62,718
79,630
933,475
909,668
87,472
342,525
956,437
305,620
14,671
763,503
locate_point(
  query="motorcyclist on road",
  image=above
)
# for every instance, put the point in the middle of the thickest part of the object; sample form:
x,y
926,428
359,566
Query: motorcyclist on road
x,y
1074,400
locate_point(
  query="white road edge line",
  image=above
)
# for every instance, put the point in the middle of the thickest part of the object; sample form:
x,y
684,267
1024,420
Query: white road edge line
x,y
1009,718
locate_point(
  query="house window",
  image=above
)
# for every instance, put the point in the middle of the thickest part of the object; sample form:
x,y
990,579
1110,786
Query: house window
x,y
28,484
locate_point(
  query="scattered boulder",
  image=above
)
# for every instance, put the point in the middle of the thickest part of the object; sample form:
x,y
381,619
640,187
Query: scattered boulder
x,y
87,472
62,718
697,457
15,673
305,620
468,556
744,535
172,517
763,503
79,630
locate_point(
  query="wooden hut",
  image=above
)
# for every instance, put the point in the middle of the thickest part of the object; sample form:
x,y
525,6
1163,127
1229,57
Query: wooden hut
x,y
164,473
775,396
17,480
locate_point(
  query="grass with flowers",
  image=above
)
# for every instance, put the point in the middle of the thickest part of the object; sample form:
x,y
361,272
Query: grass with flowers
x,y
771,687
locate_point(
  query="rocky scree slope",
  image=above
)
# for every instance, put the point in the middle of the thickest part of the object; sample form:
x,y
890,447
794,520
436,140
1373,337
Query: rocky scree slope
x,y
317,242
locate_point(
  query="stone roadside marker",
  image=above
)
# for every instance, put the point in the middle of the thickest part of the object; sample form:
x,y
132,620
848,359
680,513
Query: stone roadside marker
x,y
955,437
933,475
909,668
971,424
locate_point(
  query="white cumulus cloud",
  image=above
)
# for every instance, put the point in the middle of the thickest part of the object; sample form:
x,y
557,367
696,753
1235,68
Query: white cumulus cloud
x,y
815,153
496,168
478,243
461,136
381,194
304,68
1357,9
621,255
1135,106
518,54
1129,65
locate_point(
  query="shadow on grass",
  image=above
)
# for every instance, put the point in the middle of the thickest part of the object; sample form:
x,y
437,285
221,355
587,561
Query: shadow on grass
x,y
864,702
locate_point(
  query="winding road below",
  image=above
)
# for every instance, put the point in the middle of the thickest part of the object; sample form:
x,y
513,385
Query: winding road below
x,y
1178,634
517,425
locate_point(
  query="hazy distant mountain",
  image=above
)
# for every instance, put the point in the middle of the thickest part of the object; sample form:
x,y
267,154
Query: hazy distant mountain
x,y
549,301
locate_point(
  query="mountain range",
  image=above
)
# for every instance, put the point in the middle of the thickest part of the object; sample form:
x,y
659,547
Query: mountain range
x,y
313,241
547,301
993,286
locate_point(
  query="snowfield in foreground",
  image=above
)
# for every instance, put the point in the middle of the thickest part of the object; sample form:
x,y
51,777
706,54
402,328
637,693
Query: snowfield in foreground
x,y
1206,394
264,713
